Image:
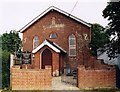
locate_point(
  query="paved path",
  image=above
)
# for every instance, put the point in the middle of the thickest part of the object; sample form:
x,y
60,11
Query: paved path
x,y
58,85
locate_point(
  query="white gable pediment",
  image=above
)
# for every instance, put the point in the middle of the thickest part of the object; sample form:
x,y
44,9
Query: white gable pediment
x,y
54,47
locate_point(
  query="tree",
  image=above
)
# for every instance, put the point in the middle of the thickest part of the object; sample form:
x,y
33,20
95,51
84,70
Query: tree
x,y
11,42
112,13
99,38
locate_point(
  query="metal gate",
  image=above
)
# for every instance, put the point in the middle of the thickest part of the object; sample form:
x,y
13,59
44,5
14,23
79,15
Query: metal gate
x,y
69,75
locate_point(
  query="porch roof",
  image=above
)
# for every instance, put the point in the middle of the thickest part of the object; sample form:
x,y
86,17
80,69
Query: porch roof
x,y
51,45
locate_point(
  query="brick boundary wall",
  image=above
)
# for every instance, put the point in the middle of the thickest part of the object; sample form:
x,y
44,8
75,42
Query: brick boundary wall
x,y
96,78
31,79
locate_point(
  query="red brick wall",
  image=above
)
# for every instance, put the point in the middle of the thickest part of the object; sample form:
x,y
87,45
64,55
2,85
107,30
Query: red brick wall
x,y
96,78
55,62
70,27
31,79
95,63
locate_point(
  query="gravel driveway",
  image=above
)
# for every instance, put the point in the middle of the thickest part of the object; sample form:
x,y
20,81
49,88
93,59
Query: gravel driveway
x,y
58,85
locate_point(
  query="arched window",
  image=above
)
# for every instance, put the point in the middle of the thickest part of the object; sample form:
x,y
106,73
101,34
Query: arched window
x,y
35,42
53,35
72,45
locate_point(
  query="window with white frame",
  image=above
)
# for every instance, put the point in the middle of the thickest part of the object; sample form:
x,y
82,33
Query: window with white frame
x,y
72,45
35,42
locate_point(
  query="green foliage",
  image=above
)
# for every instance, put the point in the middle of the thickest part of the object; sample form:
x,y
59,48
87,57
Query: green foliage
x,y
5,68
10,44
99,38
112,13
11,41
0,68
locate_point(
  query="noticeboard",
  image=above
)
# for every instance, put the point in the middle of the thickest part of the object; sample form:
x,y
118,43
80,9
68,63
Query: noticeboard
x,y
26,57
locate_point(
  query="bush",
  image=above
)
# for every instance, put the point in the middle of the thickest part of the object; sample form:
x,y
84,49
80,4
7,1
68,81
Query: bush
x,y
5,69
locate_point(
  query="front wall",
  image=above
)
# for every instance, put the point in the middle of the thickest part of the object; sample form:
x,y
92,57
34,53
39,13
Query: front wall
x,y
69,26
31,79
88,78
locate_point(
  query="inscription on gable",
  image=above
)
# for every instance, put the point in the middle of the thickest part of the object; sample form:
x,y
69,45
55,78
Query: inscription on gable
x,y
85,36
53,25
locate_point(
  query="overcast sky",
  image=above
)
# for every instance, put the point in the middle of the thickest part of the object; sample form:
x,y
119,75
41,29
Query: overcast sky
x,y
15,14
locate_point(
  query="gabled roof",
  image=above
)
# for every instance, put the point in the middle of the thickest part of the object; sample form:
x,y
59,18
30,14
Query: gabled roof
x,y
49,9
51,45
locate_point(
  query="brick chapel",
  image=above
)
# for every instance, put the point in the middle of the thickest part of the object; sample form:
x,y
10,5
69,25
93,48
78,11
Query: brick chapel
x,y
57,39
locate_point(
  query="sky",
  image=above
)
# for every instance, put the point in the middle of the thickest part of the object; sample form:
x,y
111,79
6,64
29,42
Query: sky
x,y
15,14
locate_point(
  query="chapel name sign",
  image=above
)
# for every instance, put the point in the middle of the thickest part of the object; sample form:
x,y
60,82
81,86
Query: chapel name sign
x,y
26,58
53,24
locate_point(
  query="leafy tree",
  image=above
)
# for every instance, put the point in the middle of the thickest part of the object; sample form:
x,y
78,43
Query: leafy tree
x,y
11,42
99,38
112,13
